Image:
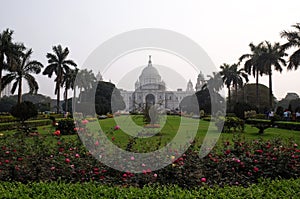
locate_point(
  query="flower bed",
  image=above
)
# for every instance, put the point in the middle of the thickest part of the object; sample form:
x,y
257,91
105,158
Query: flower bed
x,y
52,158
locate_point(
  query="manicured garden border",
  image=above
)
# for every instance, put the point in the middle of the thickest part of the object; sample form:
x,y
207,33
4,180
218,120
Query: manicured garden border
x,y
264,189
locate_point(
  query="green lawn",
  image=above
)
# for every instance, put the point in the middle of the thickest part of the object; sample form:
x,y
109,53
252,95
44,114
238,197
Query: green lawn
x,y
167,133
171,126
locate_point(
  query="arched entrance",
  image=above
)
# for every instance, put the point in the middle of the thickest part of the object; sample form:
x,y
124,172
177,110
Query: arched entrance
x,y
150,100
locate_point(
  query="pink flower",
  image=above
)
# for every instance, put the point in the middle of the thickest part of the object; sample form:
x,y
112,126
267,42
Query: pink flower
x,y
117,127
52,168
155,175
96,143
143,165
84,122
67,160
132,158
77,155
203,179
57,133
295,145
124,175
255,169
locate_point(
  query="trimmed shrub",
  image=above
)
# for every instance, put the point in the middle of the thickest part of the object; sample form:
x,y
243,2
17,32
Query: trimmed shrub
x,y
24,111
66,126
230,123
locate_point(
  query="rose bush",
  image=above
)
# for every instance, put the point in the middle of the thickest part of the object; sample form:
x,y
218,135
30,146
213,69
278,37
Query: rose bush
x,y
236,162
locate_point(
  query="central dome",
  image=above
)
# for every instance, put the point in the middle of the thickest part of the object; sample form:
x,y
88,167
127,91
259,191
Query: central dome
x,y
150,72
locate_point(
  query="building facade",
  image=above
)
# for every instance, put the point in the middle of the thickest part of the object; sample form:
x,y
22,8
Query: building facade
x,y
151,89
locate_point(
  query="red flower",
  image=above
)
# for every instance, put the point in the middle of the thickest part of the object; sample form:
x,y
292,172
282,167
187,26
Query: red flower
x,y
255,169
6,161
67,160
113,138
84,122
203,179
227,152
57,133
259,151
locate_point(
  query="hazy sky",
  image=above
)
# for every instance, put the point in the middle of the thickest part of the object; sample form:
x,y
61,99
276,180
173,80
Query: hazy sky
x,y
223,29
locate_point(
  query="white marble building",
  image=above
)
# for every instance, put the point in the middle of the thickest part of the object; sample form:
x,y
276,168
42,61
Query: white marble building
x,y
150,88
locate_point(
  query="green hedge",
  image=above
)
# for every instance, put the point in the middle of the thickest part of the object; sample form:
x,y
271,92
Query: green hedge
x,y
278,124
264,189
30,123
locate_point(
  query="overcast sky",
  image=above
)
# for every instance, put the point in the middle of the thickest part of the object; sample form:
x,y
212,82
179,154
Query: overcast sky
x,y
223,29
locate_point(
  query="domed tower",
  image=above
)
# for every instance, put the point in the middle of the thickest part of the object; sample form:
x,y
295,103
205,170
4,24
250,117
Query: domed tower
x,y
99,77
150,78
200,81
189,87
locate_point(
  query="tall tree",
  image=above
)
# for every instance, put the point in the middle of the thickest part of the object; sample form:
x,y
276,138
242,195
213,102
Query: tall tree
x,y
293,38
69,83
85,80
58,64
22,68
238,76
272,56
251,65
227,79
9,51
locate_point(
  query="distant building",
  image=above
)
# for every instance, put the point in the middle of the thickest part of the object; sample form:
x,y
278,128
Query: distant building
x,y
150,88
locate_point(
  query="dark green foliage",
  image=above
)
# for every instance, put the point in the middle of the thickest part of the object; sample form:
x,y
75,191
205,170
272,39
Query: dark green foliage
x,y
24,111
230,123
204,99
108,99
264,189
66,126
279,111
240,108
6,103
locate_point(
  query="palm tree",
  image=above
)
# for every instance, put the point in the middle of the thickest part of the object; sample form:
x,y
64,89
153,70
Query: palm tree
x,y
23,67
227,78
9,50
293,38
237,78
58,64
214,82
252,65
85,80
272,56
69,83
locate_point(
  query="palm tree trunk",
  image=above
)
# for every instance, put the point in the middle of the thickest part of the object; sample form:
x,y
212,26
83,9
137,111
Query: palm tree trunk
x,y
229,96
1,67
20,91
236,93
66,99
257,94
58,94
74,100
270,89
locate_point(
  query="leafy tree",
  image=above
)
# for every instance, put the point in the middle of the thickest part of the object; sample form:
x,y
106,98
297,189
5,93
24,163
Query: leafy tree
x,y
6,103
107,99
23,68
293,38
24,111
8,50
58,64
